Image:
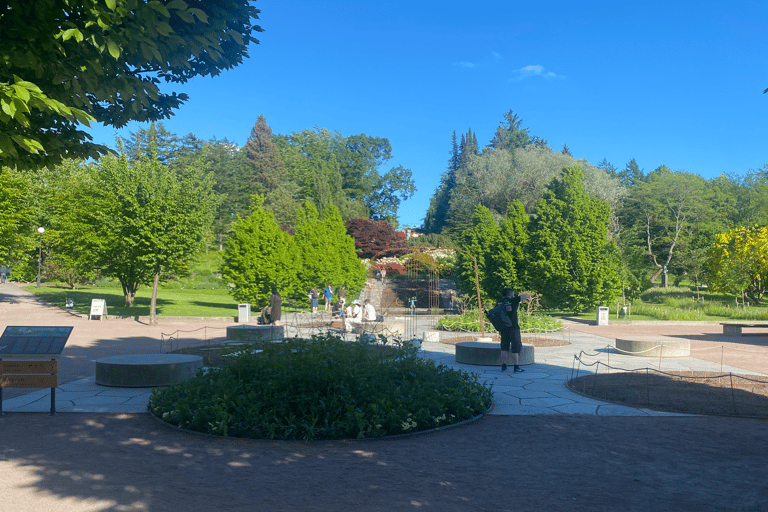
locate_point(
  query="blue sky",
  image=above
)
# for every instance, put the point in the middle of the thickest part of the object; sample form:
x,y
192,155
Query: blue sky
x,y
673,83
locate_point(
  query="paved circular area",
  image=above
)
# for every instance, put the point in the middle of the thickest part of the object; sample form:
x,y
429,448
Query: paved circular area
x,y
105,462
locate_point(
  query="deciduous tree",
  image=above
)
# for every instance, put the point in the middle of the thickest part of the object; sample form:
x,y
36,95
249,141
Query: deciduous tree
x,y
66,64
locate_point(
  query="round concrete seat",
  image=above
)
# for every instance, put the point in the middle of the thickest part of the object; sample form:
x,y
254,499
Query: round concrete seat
x,y
146,370
654,346
255,333
487,353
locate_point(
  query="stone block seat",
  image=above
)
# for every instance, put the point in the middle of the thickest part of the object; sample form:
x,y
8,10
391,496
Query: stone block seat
x,y
735,328
654,346
255,333
146,370
488,353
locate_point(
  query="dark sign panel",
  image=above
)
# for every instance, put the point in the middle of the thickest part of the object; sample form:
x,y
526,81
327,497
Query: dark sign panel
x,y
19,341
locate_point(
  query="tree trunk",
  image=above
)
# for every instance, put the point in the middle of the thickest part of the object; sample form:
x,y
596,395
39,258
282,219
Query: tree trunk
x,y
153,303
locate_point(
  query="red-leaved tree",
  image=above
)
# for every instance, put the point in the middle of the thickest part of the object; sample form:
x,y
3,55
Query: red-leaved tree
x,y
376,239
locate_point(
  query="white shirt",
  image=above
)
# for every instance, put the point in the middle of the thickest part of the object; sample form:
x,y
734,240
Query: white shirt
x,y
370,313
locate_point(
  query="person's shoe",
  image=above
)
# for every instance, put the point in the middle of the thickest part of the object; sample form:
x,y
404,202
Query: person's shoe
x,y
518,369
504,367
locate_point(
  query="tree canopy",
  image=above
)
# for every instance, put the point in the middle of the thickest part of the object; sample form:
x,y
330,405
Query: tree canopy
x,y
68,63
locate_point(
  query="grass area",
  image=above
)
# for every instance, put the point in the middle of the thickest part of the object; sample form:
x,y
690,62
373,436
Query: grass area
x,y
680,304
322,388
170,301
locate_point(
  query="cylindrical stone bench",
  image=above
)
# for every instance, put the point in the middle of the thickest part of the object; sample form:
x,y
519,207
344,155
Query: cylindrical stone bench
x,y
654,346
488,354
255,333
146,370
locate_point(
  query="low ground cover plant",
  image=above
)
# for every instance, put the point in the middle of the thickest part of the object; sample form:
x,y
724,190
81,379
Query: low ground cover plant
x,y
322,388
469,322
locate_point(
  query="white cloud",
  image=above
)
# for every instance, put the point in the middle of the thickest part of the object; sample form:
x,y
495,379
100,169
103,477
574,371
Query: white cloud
x,y
534,70
464,64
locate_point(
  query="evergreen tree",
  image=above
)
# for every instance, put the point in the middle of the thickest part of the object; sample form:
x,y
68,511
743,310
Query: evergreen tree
x,y
566,150
259,256
479,241
568,261
509,135
632,174
435,219
326,251
263,157
509,255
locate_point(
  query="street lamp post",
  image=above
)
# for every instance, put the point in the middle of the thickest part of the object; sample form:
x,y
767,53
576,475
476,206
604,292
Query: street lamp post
x,y
40,255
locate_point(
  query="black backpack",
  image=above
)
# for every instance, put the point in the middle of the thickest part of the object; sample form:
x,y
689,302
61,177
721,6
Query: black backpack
x,y
494,316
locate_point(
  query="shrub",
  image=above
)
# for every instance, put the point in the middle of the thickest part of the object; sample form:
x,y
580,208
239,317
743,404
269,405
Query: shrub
x,y
323,388
469,322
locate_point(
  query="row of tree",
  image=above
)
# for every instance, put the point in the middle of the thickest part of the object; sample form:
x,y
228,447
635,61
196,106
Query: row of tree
x,y
663,220
259,255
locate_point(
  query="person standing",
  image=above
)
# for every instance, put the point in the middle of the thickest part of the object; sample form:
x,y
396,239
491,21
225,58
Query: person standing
x,y
313,299
275,307
511,340
328,296
343,293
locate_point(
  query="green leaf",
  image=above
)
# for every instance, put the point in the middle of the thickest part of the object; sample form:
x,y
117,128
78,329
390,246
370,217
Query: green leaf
x,y
111,4
159,7
179,5
200,15
114,49
164,29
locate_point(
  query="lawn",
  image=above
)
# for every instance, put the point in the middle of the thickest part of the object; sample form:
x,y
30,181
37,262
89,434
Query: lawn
x,y
680,304
170,301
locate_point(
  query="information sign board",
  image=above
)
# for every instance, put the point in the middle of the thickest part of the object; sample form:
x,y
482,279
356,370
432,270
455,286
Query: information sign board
x,y
98,308
18,342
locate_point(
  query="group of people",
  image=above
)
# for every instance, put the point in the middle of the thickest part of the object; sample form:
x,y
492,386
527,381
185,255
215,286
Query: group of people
x,y
355,314
314,297
352,314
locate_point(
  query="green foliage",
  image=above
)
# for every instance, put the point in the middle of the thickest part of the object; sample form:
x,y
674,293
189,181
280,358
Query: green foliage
x,y
66,65
568,260
663,215
738,262
327,252
259,256
131,220
17,232
479,241
469,322
323,388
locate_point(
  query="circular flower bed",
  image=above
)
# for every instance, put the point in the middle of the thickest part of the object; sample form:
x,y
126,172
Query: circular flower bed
x,y
323,388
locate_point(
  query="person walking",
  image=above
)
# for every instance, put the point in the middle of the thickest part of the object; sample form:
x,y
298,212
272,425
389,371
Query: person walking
x,y
328,296
511,340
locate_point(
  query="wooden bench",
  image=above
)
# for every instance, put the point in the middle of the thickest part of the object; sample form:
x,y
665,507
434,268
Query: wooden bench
x,y
734,329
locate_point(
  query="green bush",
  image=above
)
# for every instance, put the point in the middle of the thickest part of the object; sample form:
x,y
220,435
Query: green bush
x,y
469,322
323,388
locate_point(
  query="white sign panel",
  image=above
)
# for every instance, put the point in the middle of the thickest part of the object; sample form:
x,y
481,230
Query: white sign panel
x,y
98,308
